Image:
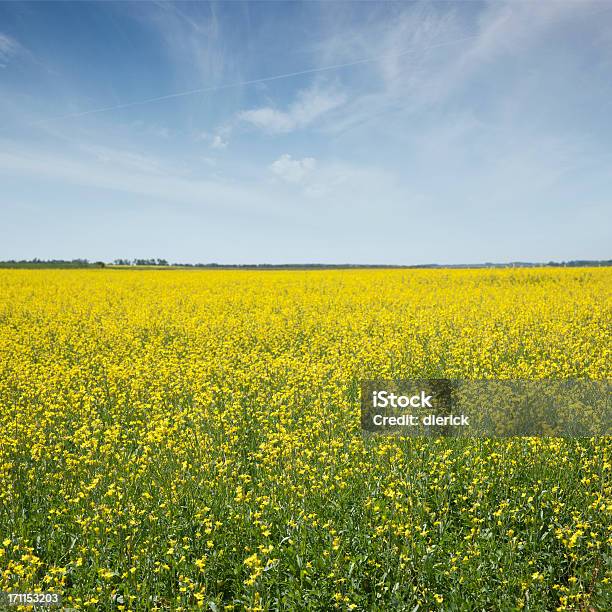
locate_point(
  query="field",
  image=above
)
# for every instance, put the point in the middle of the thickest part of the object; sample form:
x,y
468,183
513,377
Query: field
x,y
181,439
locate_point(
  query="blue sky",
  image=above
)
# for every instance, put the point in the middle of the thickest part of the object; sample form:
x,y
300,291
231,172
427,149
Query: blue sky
x,y
333,132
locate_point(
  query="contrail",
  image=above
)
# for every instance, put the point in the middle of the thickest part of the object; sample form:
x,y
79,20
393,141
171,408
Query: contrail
x,y
276,77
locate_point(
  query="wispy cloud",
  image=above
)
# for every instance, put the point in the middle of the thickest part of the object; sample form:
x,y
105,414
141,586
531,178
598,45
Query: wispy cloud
x,y
194,42
446,52
151,129
216,141
126,160
129,173
336,184
9,47
293,170
309,106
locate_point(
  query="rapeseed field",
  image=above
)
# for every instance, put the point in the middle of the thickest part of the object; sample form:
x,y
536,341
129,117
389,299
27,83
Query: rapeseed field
x,y
179,439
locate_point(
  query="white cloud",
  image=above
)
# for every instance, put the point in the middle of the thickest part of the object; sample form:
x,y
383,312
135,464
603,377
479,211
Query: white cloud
x,y
293,170
218,143
215,141
268,119
334,182
309,105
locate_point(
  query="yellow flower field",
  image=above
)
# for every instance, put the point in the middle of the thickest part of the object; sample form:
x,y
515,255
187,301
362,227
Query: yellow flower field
x,y
176,439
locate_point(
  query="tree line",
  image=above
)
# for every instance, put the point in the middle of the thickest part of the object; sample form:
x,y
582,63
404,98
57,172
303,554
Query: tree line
x,y
159,262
